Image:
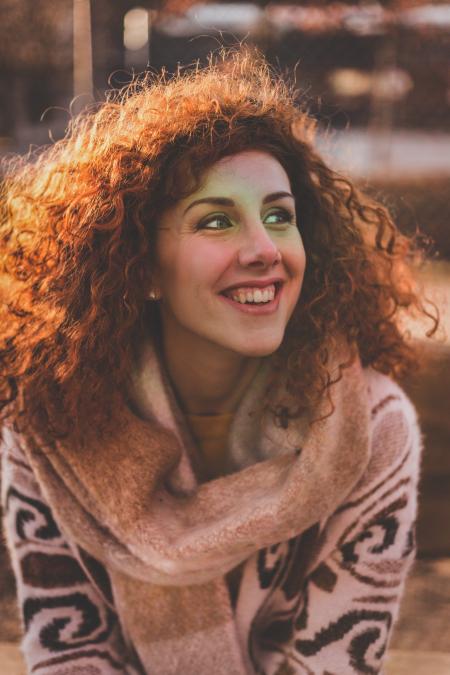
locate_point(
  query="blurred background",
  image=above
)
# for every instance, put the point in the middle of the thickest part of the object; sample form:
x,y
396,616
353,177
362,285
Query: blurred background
x,y
375,75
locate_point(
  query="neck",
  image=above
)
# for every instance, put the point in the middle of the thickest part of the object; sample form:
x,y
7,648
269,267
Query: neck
x,y
207,380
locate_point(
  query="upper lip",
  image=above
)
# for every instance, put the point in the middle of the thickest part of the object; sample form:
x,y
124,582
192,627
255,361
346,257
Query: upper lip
x,y
254,283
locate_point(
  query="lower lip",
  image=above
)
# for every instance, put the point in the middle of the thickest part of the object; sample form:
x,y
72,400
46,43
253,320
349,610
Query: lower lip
x,y
256,310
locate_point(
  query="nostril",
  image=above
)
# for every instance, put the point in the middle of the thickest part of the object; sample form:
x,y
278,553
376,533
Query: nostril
x,y
258,253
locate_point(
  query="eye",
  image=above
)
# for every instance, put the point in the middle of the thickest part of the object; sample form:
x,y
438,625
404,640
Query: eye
x,y
279,217
218,221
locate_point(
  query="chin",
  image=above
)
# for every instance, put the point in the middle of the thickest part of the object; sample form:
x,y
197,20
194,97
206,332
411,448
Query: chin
x,y
259,348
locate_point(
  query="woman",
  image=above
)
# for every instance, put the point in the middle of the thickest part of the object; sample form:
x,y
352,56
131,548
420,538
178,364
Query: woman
x,y
206,467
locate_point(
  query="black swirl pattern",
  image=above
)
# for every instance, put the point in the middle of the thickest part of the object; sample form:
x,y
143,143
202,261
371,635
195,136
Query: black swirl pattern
x,y
74,611
366,550
41,570
372,551
376,632
272,628
269,564
33,518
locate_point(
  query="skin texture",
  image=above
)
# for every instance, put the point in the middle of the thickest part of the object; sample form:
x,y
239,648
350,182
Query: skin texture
x,y
211,346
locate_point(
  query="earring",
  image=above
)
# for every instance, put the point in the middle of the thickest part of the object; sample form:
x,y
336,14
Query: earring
x,y
154,295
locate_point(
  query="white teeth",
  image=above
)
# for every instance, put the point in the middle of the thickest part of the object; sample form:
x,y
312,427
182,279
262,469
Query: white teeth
x,y
253,295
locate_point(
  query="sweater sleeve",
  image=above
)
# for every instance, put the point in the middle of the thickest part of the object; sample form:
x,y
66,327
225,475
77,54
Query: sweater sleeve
x,y
68,618
339,607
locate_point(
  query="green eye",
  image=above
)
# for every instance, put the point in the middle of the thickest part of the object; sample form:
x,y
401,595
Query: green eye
x,y
214,222
279,217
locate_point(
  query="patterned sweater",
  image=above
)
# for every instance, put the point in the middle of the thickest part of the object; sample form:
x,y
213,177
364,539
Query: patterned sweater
x,y
322,603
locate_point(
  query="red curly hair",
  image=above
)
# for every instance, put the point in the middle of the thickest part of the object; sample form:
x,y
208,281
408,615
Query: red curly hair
x,y
78,241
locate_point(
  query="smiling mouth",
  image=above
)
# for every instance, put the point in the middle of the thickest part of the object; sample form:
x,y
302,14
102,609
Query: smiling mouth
x,y
247,295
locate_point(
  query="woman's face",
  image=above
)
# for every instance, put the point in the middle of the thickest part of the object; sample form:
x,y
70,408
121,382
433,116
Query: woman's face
x,y
231,259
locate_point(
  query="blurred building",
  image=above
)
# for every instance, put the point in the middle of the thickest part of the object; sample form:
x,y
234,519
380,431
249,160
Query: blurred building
x,y
355,65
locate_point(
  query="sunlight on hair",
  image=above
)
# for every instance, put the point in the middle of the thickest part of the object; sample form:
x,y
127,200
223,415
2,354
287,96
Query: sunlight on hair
x,y
76,231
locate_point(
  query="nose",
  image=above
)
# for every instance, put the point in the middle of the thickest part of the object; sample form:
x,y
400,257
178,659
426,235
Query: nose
x,y
258,249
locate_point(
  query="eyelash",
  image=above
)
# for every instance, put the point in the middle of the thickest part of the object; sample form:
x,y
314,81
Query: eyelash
x,y
287,216
203,224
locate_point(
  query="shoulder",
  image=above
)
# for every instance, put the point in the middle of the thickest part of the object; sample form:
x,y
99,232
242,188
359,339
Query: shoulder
x,y
12,448
386,396
380,511
396,442
18,478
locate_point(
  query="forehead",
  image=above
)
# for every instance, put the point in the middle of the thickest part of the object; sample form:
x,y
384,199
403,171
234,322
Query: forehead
x,y
253,170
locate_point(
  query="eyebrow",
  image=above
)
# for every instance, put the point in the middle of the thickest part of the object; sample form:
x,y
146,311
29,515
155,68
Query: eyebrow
x,y
224,201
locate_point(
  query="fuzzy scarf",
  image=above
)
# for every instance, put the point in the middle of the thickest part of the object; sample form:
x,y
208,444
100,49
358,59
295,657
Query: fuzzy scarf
x,y
133,501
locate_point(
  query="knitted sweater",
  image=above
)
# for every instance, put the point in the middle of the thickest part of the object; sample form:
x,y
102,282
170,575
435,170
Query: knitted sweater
x,y
321,603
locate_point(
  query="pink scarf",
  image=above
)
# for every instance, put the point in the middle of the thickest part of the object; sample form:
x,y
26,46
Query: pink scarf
x,y
133,502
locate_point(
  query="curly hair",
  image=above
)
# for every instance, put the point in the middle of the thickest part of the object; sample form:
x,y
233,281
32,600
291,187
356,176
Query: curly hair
x,y
77,238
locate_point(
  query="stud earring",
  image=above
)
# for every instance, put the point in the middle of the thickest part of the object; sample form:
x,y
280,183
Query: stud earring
x,y
154,295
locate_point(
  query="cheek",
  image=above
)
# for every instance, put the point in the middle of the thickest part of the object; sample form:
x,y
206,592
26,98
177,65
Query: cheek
x,y
208,260
301,262
196,265
295,258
